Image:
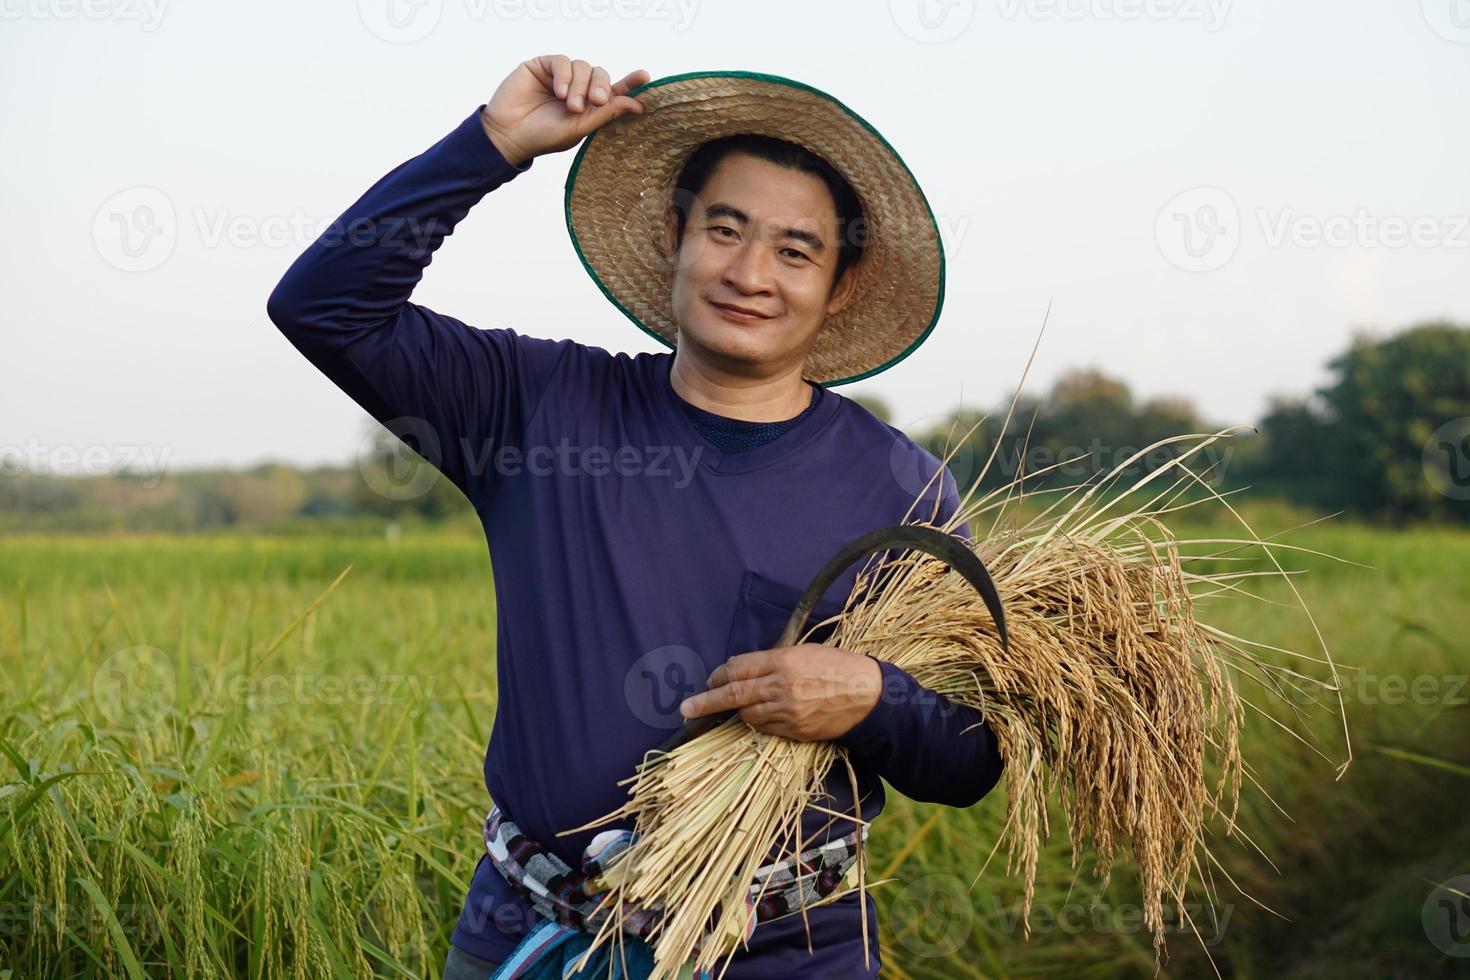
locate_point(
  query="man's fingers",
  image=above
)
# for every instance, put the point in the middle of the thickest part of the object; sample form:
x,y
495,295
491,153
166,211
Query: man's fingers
x,y
563,85
597,116
760,715
623,104
599,88
631,81
577,92
736,694
611,106
554,71
740,667
558,73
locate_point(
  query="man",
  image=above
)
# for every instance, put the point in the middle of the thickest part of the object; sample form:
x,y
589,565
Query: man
x,y
652,519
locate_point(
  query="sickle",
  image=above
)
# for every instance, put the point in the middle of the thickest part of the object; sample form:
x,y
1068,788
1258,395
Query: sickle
x,y
948,548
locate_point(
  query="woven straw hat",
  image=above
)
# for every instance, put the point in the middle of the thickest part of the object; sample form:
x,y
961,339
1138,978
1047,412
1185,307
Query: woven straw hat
x,y
622,181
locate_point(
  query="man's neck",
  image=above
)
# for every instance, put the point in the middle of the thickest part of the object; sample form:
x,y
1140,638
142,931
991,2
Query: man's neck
x,y
771,399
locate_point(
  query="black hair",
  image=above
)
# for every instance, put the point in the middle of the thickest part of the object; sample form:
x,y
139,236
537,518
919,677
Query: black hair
x,y
701,165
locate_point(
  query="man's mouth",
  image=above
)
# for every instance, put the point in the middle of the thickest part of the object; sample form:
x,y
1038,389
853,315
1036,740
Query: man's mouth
x,y
739,314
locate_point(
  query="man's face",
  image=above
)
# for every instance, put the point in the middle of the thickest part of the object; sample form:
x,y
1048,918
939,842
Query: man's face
x,y
763,238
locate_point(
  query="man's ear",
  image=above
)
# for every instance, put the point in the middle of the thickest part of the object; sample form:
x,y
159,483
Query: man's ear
x,y
842,293
667,241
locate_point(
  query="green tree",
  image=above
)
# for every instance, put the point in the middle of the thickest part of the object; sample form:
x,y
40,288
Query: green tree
x,y
1388,401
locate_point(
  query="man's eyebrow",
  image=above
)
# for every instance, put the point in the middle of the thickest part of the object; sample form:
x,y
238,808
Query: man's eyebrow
x,y
722,210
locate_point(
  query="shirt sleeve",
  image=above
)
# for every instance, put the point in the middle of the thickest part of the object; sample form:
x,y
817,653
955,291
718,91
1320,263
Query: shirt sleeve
x,y
927,747
453,393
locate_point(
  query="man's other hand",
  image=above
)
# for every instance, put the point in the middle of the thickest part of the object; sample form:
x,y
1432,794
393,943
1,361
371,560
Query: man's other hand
x,y
809,692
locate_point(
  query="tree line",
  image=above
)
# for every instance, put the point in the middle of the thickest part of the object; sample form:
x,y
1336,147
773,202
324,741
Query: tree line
x,y
1386,438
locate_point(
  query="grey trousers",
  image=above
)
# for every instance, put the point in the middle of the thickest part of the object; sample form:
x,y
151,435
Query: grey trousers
x,y
459,965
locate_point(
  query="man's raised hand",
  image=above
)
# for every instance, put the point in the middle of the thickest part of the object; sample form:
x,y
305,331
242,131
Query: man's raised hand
x,y
550,103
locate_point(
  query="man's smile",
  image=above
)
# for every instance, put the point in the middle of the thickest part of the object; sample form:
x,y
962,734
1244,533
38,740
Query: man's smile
x,y
740,314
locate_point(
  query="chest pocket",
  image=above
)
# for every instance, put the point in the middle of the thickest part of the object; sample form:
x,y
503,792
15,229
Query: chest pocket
x,y
765,606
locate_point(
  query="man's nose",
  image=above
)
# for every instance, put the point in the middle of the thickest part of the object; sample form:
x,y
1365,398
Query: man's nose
x,y
749,270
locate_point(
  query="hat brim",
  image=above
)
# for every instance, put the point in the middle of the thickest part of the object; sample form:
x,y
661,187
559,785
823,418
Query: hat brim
x,y
621,182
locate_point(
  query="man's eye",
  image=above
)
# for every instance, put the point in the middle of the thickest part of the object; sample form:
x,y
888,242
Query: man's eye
x,y
723,228
795,254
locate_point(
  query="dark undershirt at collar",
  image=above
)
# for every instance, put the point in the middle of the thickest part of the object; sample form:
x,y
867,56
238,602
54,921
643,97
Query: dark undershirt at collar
x,y
739,435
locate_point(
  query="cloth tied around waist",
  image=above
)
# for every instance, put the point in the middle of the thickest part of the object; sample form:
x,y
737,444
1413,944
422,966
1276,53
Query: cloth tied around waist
x,y
568,900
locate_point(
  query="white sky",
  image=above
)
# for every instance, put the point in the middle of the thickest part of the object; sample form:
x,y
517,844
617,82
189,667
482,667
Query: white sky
x,y
1053,140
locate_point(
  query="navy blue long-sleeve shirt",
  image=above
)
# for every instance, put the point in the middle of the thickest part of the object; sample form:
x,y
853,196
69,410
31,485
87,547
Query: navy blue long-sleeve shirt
x,y
630,556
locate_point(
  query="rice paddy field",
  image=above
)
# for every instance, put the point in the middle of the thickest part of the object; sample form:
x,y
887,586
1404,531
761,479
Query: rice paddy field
x,y
261,756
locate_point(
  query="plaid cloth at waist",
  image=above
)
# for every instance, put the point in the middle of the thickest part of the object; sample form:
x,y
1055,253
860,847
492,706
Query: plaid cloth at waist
x,y
565,896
